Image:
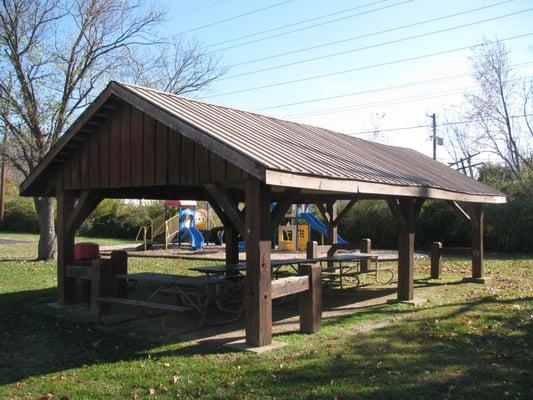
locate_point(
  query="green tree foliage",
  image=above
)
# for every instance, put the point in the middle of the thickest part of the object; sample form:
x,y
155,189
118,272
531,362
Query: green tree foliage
x,y
508,227
20,215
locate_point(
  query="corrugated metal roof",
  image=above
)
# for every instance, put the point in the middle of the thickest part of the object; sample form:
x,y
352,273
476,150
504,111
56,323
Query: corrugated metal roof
x,y
303,149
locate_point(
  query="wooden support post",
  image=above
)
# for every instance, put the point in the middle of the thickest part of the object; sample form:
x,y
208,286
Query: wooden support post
x,y
97,274
311,250
474,214
331,209
258,274
227,205
311,300
119,266
66,286
366,247
476,220
232,244
405,211
436,256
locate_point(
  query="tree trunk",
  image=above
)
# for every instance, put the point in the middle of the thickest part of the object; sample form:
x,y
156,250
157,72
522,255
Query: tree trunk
x,y
47,232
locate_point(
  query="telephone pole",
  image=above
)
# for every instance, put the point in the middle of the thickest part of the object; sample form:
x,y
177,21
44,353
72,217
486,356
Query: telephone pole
x,y
434,126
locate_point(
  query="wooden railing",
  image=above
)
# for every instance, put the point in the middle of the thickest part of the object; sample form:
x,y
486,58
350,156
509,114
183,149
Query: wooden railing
x,y
142,235
171,229
157,227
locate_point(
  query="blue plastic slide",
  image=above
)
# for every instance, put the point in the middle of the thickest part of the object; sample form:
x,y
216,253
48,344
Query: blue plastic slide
x,y
190,234
197,239
318,225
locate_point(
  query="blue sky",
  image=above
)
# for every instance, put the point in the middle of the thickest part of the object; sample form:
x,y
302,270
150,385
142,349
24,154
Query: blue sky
x,y
385,109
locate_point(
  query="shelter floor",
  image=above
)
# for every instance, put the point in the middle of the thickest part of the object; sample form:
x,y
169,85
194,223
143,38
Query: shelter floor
x,y
217,253
337,304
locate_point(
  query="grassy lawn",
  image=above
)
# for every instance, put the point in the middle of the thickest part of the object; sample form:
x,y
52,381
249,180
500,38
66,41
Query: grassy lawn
x,y
467,342
33,237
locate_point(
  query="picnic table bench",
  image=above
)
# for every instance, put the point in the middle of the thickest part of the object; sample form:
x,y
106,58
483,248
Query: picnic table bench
x,y
194,292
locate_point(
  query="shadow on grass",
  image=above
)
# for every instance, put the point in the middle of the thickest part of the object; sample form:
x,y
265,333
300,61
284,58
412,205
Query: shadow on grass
x,y
420,359
34,343
392,362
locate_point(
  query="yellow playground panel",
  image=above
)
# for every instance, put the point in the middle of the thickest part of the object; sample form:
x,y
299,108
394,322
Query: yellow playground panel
x,y
287,237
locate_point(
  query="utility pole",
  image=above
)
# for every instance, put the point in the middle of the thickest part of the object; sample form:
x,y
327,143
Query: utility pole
x,y
434,126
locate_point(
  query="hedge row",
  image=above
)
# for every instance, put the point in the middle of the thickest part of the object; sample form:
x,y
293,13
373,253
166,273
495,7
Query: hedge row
x,y
508,227
112,218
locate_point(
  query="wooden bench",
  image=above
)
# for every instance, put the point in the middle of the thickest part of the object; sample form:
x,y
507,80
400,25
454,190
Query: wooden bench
x,y
144,304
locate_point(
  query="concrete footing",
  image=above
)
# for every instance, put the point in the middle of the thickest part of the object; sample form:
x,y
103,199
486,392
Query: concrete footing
x,y
413,302
484,280
242,346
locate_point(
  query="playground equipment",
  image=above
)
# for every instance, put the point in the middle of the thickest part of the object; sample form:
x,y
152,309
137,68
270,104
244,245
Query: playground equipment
x,y
295,235
184,226
316,224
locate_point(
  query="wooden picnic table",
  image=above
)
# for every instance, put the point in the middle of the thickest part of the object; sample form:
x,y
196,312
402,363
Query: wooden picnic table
x,y
349,265
340,267
220,269
234,269
196,292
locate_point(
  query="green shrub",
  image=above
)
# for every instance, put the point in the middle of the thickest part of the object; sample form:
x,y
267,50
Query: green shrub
x,y
113,218
370,219
20,215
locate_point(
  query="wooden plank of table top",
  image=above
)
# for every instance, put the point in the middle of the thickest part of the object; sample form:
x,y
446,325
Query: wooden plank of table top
x,y
220,268
178,280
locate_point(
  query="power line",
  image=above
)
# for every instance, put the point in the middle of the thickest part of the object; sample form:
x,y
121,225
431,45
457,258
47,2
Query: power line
x,y
397,61
397,100
389,42
403,128
297,23
369,34
338,96
316,25
215,3
258,10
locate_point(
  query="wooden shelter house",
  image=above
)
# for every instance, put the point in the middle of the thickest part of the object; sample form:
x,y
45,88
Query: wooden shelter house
x,y
136,142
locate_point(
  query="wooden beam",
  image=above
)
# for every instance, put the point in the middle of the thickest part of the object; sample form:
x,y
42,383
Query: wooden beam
x,y
258,307
365,247
404,210
232,244
86,203
459,209
344,211
477,224
436,257
287,179
419,203
219,212
281,208
66,286
290,285
311,300
78,271
227,205
323,211
394,206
